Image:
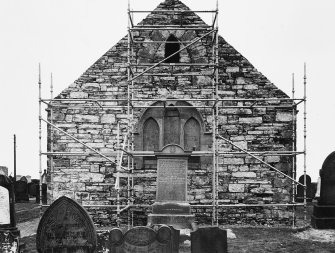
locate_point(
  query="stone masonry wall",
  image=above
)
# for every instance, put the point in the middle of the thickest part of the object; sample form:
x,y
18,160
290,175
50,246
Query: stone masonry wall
x,y
242,180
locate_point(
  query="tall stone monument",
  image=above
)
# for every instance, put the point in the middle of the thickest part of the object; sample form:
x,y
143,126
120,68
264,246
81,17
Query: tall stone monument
x,y
324,211
9,234
171,206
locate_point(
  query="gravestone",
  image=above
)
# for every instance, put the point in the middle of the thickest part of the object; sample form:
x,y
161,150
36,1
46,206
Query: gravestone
x,y
21,191
171,206
209,240
66,227
3,170
140,240
9,234
324,211
310,194
32,189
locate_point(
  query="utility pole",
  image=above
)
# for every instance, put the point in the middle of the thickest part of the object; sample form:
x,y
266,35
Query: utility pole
x,y
14,157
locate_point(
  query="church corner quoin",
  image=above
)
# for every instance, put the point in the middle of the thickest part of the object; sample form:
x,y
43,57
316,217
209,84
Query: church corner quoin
x,y
94,107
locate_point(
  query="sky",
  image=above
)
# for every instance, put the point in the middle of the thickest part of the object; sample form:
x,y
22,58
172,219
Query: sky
x,y
68,36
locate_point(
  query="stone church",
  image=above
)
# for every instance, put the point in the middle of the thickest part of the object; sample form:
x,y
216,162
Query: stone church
x,y
205,102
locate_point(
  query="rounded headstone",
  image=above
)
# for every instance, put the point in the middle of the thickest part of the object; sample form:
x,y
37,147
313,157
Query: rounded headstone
x,y
116,237
140,236
164,234
327,174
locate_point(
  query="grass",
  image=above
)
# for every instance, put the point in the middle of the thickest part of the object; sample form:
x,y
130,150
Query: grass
x,y
249,239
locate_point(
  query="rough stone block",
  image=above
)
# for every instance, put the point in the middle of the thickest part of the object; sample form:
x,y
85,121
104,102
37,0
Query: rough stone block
x,y
86,118
233,161
244,174
236,187
108,119
251,120
78,94
284,116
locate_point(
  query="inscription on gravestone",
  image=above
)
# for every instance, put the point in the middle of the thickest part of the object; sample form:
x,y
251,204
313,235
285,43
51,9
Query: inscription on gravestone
x,y
171,180
66,227
141,240
4,206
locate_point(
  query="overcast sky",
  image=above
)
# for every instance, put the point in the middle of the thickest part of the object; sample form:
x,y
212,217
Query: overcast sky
x,y
67,36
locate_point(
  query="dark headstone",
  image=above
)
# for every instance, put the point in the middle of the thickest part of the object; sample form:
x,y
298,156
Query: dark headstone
x,y
21,191
209,240
32,189
24,179
310,194
44,194
9,234
140,240
324,211
66,227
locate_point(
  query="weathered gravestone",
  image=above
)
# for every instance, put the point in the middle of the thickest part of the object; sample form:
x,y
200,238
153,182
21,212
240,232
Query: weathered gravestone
x,y
66,227
141,240
171,206
324,211
9,234
21,191
209,240
3,170
310,194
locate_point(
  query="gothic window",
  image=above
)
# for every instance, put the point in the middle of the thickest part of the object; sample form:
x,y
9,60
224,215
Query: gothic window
x,y
150,135
171,126
192,135
172,46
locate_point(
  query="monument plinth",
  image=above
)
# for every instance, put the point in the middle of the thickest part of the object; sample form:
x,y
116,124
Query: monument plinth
x,y
171,206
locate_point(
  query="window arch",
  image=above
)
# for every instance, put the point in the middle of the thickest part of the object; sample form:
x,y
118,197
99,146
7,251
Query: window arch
x,y
171,126
150,135
172,46
192,135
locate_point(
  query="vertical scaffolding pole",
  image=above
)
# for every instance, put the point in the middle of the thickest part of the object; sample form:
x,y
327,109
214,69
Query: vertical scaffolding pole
x,y
128,112
51,138
40,128
217,107
305,141
293,149
14,158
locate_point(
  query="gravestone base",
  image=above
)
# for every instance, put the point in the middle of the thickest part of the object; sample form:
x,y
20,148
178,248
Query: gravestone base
x,y
178,221
9,240
323,217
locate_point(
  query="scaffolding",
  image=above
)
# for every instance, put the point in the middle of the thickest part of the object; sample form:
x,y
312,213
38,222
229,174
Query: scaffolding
x,y
215,103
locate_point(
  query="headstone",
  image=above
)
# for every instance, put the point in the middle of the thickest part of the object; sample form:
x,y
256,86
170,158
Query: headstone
x,y
141,240
9,234
32,189
3,170
310,194
44,194
209,240
66,227
21,191
324,211
24,179
171,206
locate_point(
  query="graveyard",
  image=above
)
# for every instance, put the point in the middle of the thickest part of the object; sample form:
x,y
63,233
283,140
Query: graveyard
x,y
172,141
248,239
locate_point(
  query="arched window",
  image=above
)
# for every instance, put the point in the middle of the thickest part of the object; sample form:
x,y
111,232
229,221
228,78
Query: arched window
x,y
192,135
150,135
172,46
171,126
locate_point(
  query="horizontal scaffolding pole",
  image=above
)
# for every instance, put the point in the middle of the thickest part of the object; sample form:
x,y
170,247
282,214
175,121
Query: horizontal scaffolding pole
x,y
175,11
178,74
260,160
172,99
166,27
193,206
182,64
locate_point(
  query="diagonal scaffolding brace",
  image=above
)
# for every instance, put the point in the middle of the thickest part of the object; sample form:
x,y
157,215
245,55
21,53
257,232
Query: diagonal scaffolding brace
x,y
260,160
